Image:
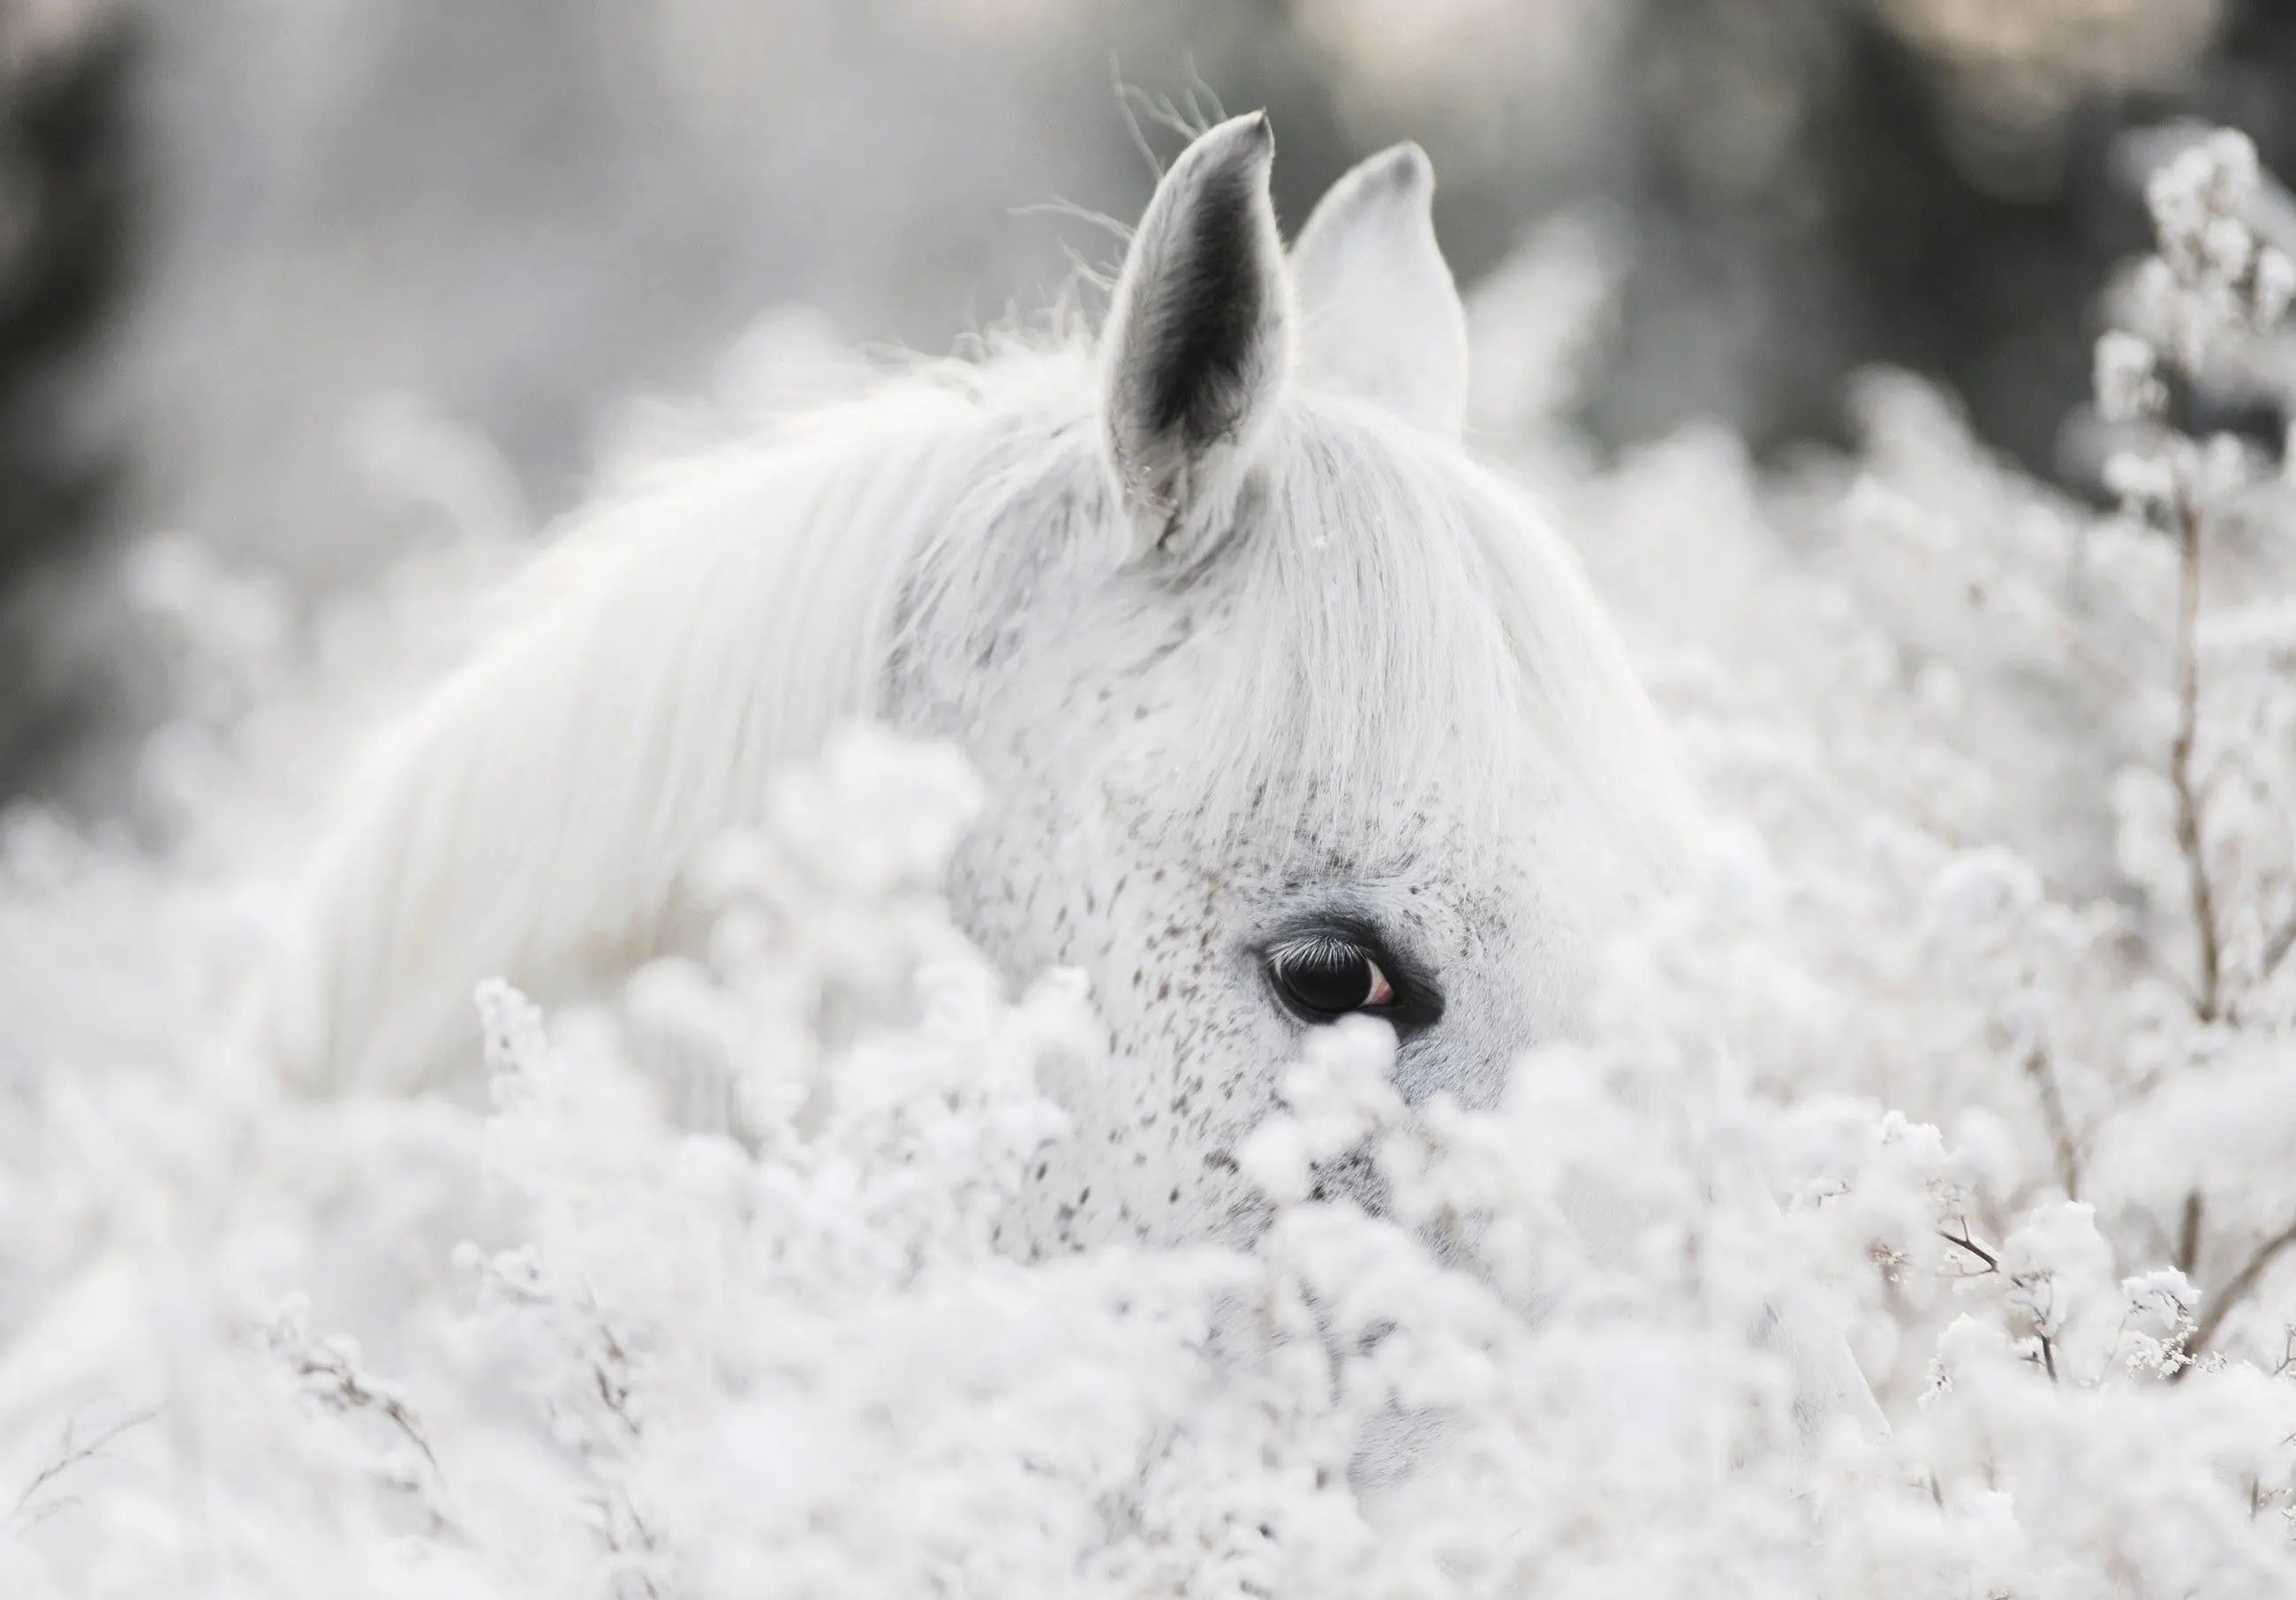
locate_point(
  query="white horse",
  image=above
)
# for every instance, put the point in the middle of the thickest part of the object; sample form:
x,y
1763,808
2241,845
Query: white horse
x,y
1286,707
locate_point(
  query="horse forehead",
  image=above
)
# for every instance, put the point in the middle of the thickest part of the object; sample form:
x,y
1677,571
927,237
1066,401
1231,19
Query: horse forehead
x,y
1450,892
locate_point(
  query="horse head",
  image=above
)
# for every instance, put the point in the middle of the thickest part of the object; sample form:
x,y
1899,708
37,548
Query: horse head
x,y
1288,708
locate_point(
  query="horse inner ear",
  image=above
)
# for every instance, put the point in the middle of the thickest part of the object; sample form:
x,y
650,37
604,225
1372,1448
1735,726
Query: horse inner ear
x,y
1198,338
1380,316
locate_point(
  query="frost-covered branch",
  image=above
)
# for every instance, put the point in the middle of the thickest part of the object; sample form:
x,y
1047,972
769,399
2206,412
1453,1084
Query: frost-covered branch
x,y
2276,948
2186,655
2062,1140
70,1454
2235,1290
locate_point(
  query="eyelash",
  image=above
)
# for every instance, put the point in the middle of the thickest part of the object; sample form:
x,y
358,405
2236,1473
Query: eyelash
x,y
1409,1002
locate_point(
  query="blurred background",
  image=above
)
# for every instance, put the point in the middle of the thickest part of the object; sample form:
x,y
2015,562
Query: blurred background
x,y
312,281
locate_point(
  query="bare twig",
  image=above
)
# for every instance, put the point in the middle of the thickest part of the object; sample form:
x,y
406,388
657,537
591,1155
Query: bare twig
x,y
2043,1072
1992,1262
2180,751
2189,1234
2145,956
2277,947
351,1393
72,1456
2236,1288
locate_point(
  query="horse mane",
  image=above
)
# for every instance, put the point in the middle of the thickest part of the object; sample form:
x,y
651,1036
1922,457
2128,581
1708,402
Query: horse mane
x,y
703,622
1393,606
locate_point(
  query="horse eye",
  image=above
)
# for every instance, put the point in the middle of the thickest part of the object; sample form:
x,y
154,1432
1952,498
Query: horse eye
x,y
1324,976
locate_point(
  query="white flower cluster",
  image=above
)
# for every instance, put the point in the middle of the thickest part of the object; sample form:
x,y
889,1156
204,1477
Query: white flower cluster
x,y
2212,276
2129,386
2211,286
1943,1057
2016,783
570,1348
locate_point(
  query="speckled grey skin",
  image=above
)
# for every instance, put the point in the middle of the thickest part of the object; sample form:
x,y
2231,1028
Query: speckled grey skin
x,y
1085,861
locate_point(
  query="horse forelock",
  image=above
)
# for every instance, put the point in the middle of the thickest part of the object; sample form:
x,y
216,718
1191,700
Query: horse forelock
x,y
1386,630
1390,635
1416,634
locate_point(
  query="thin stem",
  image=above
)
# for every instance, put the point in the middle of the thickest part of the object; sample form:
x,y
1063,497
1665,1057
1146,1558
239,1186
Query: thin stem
x,y
2277,947
2237,1289
72,1456
1992,1262
353,1394
2180,752
2189,1234
2039,1069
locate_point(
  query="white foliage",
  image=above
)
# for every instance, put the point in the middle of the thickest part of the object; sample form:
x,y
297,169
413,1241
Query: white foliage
x,y
709,1301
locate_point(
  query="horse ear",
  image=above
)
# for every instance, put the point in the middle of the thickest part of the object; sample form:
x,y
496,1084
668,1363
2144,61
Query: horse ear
x,y
1199,335
1383,317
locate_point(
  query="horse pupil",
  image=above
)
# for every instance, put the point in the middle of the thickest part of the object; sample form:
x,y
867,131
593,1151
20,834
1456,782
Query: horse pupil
x,y
1327,977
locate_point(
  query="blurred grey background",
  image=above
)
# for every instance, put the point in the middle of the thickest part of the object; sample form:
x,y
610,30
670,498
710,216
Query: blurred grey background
x,y
257,254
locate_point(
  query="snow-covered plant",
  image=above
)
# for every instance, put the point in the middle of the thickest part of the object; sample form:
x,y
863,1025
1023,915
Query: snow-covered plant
x,y
1965,1057
570,1346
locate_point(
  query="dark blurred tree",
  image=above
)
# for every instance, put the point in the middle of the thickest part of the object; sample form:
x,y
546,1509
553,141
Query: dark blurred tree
x,y
1992,285
65,206
1861,220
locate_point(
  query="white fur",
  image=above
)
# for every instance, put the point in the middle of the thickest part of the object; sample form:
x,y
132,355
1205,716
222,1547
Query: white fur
x,y
1383,318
